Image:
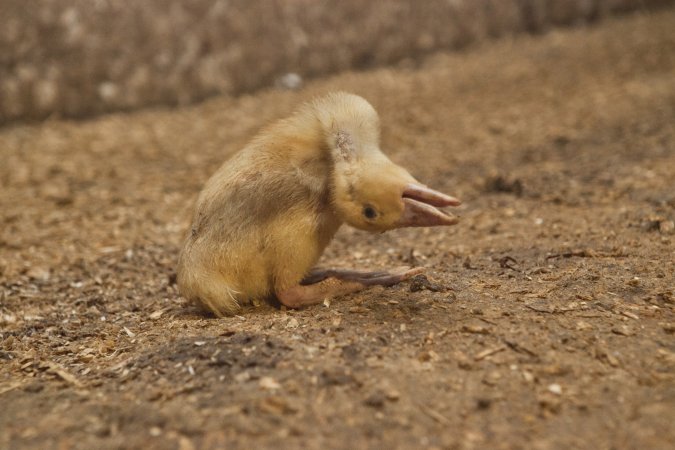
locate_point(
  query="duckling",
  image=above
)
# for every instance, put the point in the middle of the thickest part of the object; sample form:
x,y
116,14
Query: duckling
x,y
265,217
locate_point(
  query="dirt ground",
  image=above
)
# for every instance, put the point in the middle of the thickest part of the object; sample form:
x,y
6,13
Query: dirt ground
x,y
545,320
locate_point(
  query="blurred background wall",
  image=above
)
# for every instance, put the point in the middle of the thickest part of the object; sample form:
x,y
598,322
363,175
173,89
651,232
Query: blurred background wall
x,y
75,58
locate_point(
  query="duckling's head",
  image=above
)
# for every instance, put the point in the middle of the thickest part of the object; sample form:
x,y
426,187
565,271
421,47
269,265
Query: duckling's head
x,y
370,192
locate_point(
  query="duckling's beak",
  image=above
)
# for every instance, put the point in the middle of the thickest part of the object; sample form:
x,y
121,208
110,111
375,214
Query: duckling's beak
x,y
420,207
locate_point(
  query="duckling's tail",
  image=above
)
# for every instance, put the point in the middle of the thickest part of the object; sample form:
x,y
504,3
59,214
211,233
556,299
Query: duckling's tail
x,y
206,288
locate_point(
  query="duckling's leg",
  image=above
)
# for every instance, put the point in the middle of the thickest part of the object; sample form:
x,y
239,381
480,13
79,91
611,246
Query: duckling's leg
x,y
316,275
335,283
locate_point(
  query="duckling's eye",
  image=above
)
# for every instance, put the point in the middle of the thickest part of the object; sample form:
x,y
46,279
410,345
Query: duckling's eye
x,y
369,212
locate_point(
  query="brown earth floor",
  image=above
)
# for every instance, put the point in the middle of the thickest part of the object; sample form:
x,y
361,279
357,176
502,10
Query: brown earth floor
x,y
547,322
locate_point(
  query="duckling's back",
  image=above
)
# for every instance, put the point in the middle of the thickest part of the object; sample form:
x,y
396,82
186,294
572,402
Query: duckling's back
x,y
261,221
